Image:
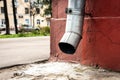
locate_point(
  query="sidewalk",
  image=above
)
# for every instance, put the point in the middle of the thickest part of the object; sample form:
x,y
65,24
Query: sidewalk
x,y
15,51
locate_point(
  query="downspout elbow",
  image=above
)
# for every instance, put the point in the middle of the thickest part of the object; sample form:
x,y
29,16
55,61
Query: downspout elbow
x,y
74,24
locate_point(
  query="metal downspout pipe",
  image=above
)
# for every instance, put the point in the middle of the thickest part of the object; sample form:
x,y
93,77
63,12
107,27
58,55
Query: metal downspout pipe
x,y
74,24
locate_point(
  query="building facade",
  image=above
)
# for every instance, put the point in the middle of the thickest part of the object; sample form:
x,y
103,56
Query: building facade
x,y
23,14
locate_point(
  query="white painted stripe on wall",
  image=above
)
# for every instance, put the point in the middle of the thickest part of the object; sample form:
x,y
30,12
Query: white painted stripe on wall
x,y
58,18
102,17
89,18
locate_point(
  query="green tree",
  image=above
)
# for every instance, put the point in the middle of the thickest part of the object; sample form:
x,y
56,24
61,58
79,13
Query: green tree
x,y
14,15
48,10
6,17
37,4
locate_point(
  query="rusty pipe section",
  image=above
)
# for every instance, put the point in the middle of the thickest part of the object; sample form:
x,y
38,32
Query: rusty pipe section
x,y
74,24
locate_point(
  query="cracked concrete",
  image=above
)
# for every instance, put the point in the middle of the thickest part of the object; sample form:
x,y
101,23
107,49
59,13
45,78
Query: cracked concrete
x,y
57,71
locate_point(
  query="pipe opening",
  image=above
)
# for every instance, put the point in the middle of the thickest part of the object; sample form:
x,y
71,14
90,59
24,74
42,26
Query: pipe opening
x,y
66,48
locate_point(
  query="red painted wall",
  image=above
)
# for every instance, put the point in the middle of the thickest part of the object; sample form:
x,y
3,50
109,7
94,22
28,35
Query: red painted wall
x,y
101,34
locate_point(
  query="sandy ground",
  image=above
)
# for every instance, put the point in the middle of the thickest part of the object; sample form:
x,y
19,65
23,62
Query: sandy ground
x,y
56,71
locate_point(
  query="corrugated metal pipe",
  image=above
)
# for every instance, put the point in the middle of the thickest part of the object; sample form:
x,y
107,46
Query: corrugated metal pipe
x,y
74,24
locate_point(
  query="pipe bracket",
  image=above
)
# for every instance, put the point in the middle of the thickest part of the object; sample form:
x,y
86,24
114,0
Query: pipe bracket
x,y
73,11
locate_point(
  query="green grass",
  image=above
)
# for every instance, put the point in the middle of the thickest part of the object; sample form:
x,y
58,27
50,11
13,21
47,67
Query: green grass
x,y
43,32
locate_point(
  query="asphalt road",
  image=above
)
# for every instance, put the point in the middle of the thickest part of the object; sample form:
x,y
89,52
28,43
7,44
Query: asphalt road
x,y
23,50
